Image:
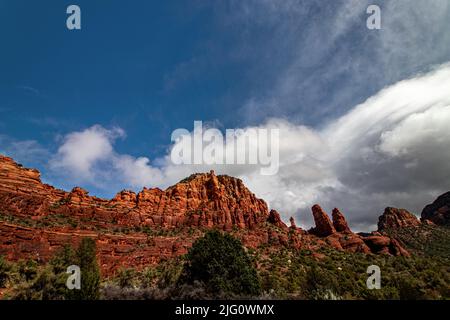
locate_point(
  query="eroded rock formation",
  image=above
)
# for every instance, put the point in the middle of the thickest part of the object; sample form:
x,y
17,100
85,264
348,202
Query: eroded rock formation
x,y
339,222
324,227
339,236
394,218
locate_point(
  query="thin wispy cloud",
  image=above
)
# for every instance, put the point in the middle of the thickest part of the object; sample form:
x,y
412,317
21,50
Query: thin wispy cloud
x,y
24,150
30,90
317,61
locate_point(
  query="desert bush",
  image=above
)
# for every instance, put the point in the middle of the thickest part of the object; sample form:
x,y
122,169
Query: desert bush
x,y
320,284
112,291
220,262
126,277
26,269
5,269
65,257
48,282
46,285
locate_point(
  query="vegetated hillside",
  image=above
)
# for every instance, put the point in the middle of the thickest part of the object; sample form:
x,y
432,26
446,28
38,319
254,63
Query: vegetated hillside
x,y
279,274
430,241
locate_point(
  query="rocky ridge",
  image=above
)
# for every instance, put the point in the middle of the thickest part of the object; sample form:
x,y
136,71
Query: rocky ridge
x,y
137,229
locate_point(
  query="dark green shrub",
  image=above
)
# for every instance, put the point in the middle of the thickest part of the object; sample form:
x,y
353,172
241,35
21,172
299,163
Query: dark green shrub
x,y
320,284
221,263
409,288
28,269
90,272
49,282
126,277
5,268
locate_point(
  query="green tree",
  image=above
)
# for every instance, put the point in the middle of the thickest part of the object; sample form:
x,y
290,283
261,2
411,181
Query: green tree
x,y
90,272
61,260
221,263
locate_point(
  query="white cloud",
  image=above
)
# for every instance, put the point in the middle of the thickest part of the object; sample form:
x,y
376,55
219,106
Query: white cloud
x,y
418,132
136,172
81,150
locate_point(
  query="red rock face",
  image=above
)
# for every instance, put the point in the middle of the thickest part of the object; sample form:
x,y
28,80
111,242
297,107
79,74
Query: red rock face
x,y
324,227
394,218
114,250
275,219
339,222
201,200
293,225
353,243
385,245
125,197
439,211
134,230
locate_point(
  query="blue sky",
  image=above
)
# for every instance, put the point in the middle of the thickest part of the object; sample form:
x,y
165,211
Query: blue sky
x,y
120,69
150,67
